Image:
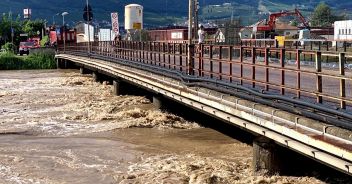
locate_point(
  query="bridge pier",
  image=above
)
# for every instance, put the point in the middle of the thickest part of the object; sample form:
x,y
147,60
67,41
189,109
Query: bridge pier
x,y
83,70
60,64
96,77
117,87
266,159
157,101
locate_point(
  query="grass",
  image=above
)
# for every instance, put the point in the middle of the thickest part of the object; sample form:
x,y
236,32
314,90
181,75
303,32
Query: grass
x,y
10,61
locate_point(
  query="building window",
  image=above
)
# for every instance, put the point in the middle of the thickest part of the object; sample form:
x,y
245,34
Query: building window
x,y
349,31
343,32
339,31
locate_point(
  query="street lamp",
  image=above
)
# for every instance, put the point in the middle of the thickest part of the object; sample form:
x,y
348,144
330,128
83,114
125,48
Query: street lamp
x,y
63,29
54,18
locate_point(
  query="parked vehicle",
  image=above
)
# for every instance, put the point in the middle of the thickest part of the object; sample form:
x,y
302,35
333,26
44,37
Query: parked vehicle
x,y
25,47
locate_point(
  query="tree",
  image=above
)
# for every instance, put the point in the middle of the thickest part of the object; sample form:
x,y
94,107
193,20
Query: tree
x,y
6,24
323,16
32,27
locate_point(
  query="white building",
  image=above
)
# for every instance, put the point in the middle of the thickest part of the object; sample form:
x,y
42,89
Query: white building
x,y
82,32
343,30
106,35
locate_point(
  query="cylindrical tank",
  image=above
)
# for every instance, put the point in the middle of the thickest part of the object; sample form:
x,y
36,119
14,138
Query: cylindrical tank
x,y
133,17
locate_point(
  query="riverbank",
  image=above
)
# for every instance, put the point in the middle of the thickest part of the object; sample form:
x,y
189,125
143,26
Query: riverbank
x,y
39,60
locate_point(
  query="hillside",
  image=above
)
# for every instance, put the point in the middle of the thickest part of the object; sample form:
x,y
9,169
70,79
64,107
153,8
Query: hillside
x,y
161,12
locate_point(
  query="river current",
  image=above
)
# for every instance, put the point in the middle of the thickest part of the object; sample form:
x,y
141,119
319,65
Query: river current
x,y
60,127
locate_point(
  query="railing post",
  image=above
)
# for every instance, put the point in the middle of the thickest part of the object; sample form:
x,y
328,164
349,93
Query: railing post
x,y
220,62
342,81
230,60
143,52
211,61
266,62
181,57
282,65
319,81
190,59
298,62
253,66
150,60
164,57
174,53
241,65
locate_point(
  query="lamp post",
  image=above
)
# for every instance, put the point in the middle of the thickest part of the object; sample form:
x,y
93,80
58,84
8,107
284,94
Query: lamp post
x,y
63,29
54,17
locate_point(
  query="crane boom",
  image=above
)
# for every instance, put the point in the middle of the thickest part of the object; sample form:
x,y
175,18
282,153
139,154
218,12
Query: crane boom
x,y
270,26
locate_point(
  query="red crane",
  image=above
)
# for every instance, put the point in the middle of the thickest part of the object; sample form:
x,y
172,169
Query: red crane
x,y
270,26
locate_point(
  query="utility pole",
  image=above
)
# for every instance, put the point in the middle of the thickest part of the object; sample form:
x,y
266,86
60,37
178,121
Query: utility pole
x,y
190,21
88,21
190,37
196,9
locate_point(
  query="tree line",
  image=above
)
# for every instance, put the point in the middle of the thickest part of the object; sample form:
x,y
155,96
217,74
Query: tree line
x,y
12,27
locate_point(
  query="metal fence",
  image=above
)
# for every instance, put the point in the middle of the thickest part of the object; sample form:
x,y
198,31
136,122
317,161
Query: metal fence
x,y
265,68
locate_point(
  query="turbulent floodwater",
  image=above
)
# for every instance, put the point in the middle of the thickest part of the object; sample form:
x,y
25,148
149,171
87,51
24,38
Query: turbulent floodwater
x,y
60,127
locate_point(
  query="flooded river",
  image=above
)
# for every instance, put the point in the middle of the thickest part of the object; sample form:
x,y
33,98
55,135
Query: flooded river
x,y
61,127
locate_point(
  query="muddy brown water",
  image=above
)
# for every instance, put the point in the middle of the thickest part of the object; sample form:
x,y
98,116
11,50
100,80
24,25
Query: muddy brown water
x,y
60,127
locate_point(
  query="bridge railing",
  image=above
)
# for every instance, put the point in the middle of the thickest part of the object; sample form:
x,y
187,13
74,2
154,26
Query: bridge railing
x,y
303,44
313,76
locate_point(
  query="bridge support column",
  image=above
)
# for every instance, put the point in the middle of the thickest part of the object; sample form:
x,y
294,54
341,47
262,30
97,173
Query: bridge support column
x,y
96,77
60,64
83,70
157,101
116,87
265,157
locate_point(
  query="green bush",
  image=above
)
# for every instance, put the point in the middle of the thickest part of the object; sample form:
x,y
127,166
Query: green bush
x,y
9,47
9,61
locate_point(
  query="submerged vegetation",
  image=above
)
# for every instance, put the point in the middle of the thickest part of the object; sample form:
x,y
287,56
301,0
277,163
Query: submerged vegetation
x,y
40,60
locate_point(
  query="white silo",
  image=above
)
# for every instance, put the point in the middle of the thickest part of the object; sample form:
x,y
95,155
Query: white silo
x,y
133,18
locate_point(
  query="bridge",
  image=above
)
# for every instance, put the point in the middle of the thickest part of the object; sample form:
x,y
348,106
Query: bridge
x,y
291,96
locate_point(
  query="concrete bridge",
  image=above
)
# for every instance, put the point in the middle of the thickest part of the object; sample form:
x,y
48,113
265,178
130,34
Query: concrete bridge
x,y
271,92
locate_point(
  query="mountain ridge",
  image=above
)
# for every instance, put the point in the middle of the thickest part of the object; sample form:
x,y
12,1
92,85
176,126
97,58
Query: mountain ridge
x,y
163,12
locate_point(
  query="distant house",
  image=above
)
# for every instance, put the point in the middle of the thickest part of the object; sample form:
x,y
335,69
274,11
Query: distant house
x,y
284,29
246,33
169,34
280,29
176,34
326,33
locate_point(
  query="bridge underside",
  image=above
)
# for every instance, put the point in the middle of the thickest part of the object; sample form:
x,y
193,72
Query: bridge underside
x,y
327,144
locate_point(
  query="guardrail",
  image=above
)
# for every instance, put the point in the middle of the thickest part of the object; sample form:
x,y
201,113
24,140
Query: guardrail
x,y
268,70
304,44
